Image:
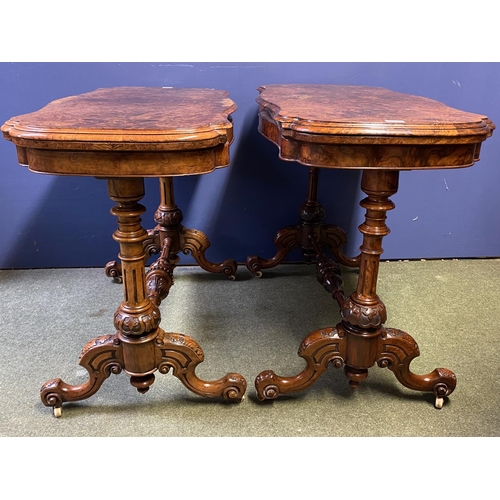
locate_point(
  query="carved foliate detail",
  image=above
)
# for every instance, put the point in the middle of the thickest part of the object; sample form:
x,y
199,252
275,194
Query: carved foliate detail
x,y
318,335
311,212
160,276
364,316
99,341
158,284
171,217
182,340
137,324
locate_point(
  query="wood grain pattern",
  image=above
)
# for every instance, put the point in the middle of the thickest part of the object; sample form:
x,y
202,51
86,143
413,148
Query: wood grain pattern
x,y
127,131
338,126
380,132
124,134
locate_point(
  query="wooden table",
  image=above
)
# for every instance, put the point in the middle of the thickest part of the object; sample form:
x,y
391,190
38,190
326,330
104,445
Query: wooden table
x,y
123,135
380,132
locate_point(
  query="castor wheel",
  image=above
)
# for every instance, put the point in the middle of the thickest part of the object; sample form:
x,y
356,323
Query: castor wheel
x,y
439,403
57,411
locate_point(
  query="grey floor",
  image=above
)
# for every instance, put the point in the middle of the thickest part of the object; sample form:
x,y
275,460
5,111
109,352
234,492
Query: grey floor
x,y
451,308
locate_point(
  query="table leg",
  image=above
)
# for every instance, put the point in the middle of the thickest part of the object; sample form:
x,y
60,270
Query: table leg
x,y
311,215
169,217
360,340
139,347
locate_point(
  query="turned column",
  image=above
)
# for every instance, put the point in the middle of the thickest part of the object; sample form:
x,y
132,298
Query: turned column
x,y
310,234
363,313
169,218
137,318
311,214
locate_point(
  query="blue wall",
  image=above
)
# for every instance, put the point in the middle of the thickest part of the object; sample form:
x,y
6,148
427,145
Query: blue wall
x,y
48,221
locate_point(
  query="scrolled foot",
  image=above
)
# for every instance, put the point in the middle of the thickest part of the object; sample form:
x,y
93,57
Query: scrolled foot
x,y
235,387
266,387
195,242
253,265
320,349
227,268
52,396
398,349
113,269
182,354
286,239
101,357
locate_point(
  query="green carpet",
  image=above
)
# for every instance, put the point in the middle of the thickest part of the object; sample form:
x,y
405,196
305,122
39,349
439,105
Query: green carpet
x,y
450,308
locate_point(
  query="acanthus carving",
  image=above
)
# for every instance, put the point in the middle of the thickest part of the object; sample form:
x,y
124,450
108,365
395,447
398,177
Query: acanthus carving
x,y
137,324
98,342
193,241
181,340
168,217
311,212
286,239
159,278
317,335
364,316
158,284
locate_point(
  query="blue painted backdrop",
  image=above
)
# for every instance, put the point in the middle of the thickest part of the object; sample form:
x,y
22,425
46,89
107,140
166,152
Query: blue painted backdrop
x,y
48,221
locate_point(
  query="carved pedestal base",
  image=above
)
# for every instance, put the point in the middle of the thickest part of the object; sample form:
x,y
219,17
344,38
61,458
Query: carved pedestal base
x,y
309,229
140,347
393,349
360,341
169,218
109,354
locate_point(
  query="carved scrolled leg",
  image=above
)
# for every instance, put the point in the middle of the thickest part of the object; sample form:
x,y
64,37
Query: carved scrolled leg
x,y
397,350
169,225
310,227
319,349
183,354
286,239
194,241
159,278
336,238
113,269
100,357
151,244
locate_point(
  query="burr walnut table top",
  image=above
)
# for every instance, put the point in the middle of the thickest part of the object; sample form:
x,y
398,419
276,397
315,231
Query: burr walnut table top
x,y
339,126
127,131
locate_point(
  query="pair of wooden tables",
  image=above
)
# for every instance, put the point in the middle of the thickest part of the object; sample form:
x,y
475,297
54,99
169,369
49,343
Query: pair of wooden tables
x,y
125,134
